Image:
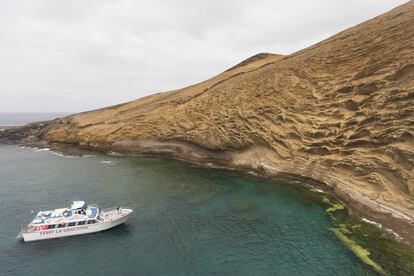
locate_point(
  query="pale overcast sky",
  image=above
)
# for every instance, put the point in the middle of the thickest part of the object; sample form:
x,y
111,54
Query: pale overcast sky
x,y
77,55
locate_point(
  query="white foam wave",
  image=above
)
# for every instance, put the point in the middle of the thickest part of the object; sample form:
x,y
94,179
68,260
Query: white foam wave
x,y
37,149
63,155
379,225
70,156
42,149
107,162
114,153
317,190
398,237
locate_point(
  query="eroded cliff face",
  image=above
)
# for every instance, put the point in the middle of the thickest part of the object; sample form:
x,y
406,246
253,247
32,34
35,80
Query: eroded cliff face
x,y
340,111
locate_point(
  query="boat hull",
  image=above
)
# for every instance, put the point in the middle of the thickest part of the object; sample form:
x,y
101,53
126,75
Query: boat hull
x,y
74,230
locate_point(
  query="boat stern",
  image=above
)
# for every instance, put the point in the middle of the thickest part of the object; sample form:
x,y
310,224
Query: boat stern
x,y
20,235
118,213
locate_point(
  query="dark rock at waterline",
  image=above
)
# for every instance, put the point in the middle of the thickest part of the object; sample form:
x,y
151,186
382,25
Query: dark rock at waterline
x,y
32,132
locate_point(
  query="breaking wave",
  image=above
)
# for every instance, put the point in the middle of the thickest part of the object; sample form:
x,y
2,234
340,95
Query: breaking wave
x,y
57,153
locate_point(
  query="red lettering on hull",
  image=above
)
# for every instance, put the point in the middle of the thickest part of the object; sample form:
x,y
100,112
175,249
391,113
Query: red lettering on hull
x,y
64,230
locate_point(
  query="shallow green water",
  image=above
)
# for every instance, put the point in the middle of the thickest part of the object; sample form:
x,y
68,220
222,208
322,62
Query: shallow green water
x,y
188,220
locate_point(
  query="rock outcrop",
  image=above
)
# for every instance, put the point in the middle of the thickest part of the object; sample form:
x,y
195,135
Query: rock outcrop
x,y
340,112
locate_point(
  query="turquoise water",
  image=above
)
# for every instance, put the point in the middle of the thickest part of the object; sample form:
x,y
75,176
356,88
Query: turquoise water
x,y
188,220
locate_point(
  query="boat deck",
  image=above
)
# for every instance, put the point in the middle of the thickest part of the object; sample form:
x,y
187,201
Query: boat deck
x,y
114,214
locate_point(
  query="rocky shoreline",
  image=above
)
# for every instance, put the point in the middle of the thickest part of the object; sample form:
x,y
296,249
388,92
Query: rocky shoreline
x,y
255,160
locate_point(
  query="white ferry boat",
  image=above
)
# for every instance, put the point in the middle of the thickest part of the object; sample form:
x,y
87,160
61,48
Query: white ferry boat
x,y
80,218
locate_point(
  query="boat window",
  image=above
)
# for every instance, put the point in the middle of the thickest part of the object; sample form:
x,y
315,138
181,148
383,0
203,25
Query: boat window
x,y
51,226
61,225
91,221
81,222
71,224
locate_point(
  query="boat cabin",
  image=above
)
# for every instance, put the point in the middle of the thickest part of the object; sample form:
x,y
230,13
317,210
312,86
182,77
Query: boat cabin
x,y
78,214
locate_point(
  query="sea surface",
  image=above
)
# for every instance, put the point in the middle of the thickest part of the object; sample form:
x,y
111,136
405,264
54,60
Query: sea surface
x,y
188,220
19,119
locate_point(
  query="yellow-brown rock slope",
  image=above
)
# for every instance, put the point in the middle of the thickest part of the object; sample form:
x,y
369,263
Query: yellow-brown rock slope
x,y
340,112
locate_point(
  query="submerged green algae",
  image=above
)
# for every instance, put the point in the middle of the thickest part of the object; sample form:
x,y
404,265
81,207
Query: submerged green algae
x,y
342,233
394,257
246,210
373,246
204,191
358,250
334,206
201,197
242,205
